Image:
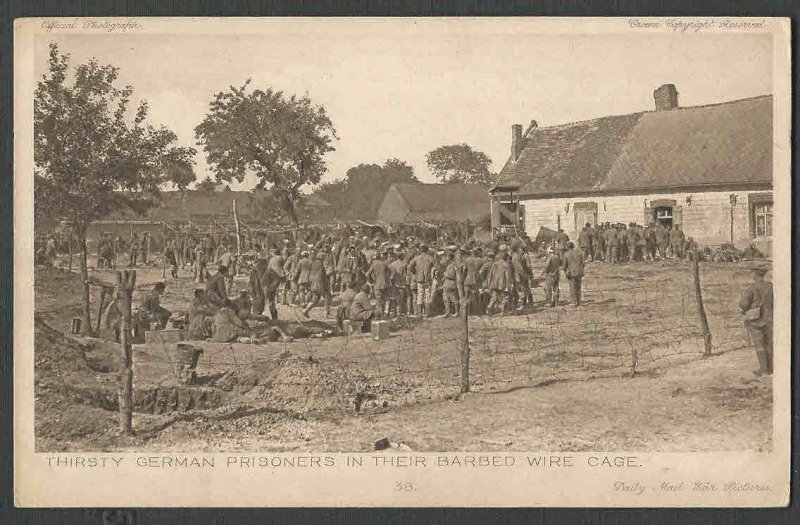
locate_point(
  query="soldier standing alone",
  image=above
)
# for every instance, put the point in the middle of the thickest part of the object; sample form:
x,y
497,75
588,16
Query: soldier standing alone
x,y
756,304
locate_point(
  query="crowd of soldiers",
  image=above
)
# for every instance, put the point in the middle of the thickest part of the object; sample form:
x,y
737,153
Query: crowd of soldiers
x,y
633,242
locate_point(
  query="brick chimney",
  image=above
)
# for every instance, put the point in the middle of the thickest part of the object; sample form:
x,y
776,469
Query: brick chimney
x,y
516,141
666,97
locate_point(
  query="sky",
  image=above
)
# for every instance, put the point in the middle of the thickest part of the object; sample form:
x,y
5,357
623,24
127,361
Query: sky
x,y
404,93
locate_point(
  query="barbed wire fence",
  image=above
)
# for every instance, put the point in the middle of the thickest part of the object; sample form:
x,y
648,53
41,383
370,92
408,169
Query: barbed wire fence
x,y
626,328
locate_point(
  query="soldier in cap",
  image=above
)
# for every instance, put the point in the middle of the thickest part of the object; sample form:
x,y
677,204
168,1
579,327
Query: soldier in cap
x,y
501,282
302,277
573,270
421,267
398,279
378,274
450,286
135,246
552,275
319,285
756,305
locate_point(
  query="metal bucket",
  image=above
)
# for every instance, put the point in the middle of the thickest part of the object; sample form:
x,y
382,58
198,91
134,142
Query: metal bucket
x,y
186,358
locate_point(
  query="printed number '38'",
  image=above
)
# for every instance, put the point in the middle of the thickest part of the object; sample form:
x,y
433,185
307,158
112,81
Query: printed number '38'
x,y
404,486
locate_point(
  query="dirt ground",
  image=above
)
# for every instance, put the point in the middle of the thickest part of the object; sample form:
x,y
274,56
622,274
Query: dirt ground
x,y
623,371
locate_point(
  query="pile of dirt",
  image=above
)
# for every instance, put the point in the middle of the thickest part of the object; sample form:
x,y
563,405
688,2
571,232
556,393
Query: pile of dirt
x,y
307,385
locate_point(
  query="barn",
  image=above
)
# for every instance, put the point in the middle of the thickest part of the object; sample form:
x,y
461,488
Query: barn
x,y
202,208
406,202
706,168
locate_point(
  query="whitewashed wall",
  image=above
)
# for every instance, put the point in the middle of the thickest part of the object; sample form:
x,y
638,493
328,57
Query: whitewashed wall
x,y
707,218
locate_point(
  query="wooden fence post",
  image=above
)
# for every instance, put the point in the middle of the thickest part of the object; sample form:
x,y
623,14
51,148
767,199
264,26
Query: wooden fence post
x,y
164,249
463,306
238,234
69,246
700,308
126,280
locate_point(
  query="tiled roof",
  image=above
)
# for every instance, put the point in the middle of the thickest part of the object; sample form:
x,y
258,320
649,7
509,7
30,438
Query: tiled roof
x,y
725,143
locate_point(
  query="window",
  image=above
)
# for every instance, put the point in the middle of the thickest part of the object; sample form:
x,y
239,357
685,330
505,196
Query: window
x,y
762,219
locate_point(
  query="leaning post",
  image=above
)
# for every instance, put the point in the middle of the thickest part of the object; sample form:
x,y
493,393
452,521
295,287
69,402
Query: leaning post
x,y
700,308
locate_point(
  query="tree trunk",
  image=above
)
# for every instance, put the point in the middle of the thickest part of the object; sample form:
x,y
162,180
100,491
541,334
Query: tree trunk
x,y
86,325
288,205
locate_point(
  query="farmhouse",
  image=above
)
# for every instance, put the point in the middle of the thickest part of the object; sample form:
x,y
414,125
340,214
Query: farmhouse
x,y
434,203
705,168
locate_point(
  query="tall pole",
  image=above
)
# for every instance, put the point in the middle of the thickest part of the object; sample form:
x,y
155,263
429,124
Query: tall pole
x,y
164,249
464,318
69,245
238,234
700,308
126,280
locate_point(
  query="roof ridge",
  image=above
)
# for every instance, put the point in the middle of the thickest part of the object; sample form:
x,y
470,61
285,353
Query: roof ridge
x,y
566,125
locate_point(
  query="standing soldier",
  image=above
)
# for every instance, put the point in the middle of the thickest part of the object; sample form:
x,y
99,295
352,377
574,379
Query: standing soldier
x,y
450,287
302,276
398,279
633,238
472,278
612,240
258,284
421,267
500,283
348,266
483,280
552,275
289,286
756,304
135,248
676,238
520,271
598,243
378,275
662,240
585,241
573,270
319,285
561,240
169,255
622,243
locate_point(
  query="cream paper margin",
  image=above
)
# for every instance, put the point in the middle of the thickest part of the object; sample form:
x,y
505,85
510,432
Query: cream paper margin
x,y
36,485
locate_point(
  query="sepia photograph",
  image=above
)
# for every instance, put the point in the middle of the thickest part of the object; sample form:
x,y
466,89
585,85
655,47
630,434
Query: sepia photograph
x,y
386,238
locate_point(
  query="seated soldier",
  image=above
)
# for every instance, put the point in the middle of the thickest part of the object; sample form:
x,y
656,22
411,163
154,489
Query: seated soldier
x,y
227,325
361,311
243,305
198,313
216,290
151,307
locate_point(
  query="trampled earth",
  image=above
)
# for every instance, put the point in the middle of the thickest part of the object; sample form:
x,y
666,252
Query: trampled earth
x,y
623,372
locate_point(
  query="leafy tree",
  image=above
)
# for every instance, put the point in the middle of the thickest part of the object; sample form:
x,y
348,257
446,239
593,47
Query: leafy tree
x,y
360,194
91,158
208,185
459,163
282,140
